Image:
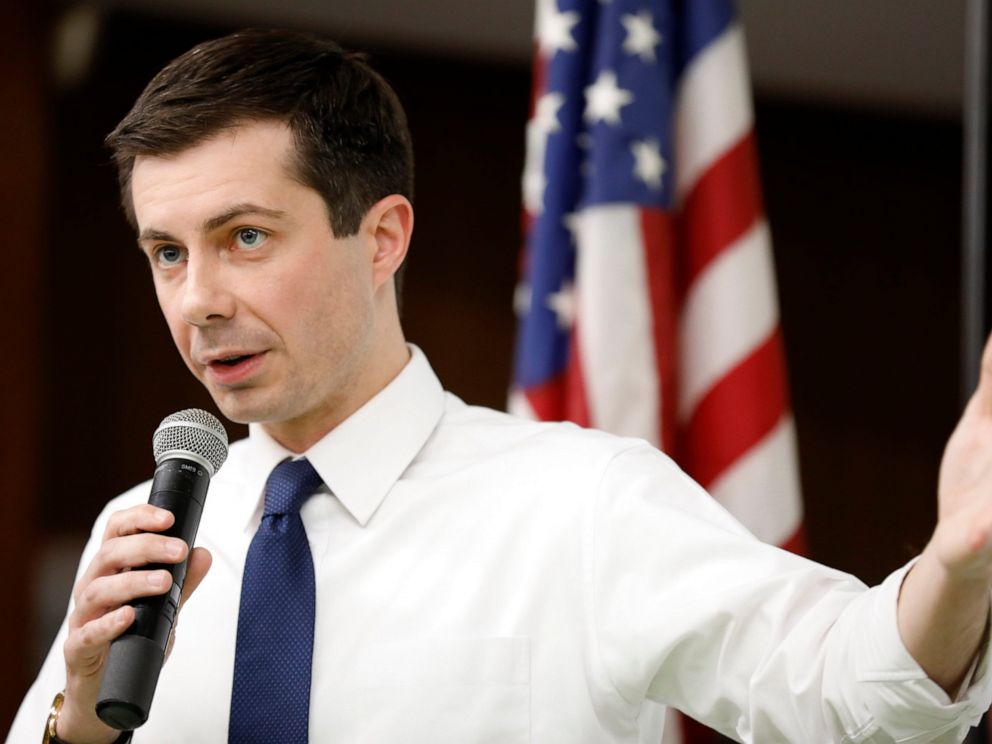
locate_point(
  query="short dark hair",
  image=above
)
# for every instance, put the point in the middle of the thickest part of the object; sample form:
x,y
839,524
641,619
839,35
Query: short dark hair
x,y
352,142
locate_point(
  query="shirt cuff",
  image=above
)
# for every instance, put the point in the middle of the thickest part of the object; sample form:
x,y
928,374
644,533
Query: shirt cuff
x,y
902,699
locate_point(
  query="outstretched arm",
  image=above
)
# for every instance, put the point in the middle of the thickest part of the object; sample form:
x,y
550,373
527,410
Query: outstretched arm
x,y
944,604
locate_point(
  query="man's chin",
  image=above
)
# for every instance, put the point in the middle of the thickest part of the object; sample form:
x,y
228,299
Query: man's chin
x,y
243,406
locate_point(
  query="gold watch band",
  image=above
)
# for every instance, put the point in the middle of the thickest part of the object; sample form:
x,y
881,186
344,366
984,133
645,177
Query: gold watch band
x,y
50,736
53,718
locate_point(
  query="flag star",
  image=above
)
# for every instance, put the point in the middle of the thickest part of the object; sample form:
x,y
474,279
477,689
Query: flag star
x,y
604,98
546,112
534,185
649,166
562,303
571,222
539,128
523,295
554,28
642,36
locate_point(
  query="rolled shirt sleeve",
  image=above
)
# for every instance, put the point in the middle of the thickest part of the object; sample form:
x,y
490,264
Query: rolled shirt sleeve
x,y
690,610
902,700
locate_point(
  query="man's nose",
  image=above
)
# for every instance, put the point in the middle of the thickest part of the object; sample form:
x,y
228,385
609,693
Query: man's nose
x,y
207,294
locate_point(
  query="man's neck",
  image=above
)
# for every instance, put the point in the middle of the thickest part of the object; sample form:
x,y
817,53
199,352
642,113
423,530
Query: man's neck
x,y
300,434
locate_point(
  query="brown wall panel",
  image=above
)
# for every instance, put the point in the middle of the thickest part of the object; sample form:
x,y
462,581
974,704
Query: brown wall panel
x,y
865,214
23,146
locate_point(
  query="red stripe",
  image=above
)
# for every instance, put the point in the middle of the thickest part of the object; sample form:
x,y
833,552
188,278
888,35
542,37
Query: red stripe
x,y
658,228
739,410
547,399
796,543
721,207
563,397
576,404
540,79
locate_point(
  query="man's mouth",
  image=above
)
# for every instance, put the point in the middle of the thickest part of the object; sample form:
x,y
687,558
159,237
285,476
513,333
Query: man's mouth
x,y
231,369
232,361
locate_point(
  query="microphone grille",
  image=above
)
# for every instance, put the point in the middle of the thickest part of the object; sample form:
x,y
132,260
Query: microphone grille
x,y
191,431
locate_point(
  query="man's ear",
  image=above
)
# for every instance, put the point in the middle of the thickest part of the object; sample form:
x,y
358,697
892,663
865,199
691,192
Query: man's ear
x,y
388,226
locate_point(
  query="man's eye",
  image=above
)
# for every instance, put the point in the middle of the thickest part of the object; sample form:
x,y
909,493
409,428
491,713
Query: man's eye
x,y
168,255
250,237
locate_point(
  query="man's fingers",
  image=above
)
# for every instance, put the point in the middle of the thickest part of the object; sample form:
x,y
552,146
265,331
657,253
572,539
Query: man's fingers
x,y
131,551
85,647
141,518
135,551
107,593
102,613
129,542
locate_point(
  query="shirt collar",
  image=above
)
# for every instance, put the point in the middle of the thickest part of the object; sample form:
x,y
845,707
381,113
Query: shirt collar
x,y
361,458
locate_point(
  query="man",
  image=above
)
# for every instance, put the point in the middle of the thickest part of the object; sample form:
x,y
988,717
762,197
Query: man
x,y
476,578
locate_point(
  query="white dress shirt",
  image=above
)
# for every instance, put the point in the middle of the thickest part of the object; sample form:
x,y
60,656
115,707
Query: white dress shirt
x,y
482,578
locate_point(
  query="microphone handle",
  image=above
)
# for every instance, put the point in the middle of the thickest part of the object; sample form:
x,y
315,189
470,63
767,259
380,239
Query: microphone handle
x,y
135,659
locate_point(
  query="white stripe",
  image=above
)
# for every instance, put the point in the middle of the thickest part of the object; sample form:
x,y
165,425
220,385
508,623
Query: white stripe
x,y
713,107
762,487
672,732
731,308
518,405
614,322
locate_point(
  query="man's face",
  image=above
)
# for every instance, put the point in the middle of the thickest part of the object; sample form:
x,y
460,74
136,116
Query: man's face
x,y
269,310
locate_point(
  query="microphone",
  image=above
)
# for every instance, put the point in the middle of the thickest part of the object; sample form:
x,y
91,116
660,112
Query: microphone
x,y
189,448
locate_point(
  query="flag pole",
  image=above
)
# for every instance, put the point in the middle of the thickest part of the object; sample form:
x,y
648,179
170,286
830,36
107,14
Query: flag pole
x,y
975,315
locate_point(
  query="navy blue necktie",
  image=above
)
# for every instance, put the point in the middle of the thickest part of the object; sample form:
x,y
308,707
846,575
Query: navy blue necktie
x,y
270,700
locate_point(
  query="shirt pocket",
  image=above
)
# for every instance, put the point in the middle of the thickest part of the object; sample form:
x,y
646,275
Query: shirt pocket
x,y
471,691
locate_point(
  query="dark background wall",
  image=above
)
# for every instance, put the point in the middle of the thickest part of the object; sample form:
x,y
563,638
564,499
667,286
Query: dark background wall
x,y
24,180
865,211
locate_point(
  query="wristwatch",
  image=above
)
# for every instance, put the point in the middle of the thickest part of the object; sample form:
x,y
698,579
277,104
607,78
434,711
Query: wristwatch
x,y
49,736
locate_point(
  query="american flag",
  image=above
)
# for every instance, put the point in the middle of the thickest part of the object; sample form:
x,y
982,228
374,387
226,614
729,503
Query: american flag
x,y
647,303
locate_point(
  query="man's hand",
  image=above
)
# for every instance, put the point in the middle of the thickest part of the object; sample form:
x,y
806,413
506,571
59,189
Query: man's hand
x,y
944,603
964,527
101,612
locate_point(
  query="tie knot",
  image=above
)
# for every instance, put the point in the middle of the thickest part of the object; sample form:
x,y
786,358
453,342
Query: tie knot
x,y
290,484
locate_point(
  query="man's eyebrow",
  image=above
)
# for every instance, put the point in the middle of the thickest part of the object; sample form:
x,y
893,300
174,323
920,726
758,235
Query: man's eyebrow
x,y
156,235
212,223
239,210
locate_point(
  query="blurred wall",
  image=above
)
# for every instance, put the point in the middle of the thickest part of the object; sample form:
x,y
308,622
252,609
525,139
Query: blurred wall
x,y
864,206
24,125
